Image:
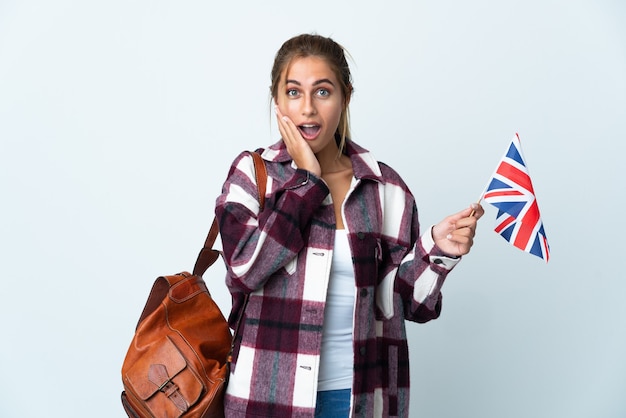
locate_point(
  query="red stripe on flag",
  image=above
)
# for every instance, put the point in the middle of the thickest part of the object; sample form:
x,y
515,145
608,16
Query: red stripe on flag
x,y
528,223
502,193
516,175
504,224
546,249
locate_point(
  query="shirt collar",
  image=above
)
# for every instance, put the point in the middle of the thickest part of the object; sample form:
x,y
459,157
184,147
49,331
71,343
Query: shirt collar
x,y
364,165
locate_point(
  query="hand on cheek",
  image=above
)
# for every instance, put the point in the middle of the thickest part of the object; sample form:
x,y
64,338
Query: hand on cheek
x,y
297,147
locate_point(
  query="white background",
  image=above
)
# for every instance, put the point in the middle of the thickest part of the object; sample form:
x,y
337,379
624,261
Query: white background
x,y
119,120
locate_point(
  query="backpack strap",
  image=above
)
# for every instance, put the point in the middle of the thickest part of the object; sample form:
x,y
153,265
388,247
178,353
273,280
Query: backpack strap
x,y
208,255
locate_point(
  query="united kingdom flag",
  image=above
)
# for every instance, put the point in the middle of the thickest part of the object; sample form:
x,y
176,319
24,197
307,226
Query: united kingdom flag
x,y
511,191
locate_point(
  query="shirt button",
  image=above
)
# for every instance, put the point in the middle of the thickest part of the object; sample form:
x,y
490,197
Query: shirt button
x,y
363,351
363,293
438,261
360,235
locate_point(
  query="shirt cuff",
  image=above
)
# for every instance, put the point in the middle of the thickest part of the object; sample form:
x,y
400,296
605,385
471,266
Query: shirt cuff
x,y
435,254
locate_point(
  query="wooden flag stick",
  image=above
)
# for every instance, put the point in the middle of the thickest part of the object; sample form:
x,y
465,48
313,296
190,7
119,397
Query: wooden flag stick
x,y
481,196
478,203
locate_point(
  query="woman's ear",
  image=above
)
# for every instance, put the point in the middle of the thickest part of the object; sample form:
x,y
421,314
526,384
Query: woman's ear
x,y
348,96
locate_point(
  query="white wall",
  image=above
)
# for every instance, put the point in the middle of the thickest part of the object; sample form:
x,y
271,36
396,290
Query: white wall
x,y
118,121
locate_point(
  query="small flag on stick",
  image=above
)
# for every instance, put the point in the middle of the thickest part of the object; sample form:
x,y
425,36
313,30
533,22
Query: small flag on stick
x,y
510,190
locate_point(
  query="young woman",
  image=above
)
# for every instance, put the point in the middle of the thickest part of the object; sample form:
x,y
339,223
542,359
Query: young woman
x,y
334,262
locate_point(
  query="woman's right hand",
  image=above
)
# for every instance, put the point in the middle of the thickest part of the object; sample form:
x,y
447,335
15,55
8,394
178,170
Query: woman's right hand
x,y
297,147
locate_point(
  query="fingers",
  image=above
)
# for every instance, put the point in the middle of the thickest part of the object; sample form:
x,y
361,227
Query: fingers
x,y
477,210
287,129
464,235
289,132
458,242
468,222
297,147
455,234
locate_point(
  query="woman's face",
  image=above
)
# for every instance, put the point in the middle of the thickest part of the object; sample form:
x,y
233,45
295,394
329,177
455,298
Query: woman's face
x,y
310,95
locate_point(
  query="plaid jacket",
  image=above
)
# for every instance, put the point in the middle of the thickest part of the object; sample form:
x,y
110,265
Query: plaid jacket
x,y
281,257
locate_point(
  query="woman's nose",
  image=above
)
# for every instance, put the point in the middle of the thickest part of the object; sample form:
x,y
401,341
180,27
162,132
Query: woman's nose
x,y
308,106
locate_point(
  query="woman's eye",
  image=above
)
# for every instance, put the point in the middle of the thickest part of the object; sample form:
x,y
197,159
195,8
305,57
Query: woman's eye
x,y
323,92
292,92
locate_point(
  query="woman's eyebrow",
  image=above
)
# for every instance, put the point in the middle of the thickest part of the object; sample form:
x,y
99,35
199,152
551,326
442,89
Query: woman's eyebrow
x,y
318,82
322,81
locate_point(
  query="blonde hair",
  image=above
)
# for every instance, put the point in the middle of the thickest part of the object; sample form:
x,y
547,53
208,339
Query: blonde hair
x,y
307,45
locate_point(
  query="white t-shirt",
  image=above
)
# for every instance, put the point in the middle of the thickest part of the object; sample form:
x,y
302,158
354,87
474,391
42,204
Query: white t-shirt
x,y
337,356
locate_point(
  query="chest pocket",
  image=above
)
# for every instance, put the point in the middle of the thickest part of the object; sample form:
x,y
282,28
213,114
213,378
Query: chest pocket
x,y
367,258
369,270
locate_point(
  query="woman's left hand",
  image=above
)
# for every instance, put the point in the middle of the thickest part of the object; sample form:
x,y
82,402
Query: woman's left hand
x,y
455,234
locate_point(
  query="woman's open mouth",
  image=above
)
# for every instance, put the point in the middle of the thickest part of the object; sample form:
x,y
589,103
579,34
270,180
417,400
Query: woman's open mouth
x,y
309,131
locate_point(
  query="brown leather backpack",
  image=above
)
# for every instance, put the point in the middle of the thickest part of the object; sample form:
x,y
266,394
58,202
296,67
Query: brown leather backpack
x,y
177,363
